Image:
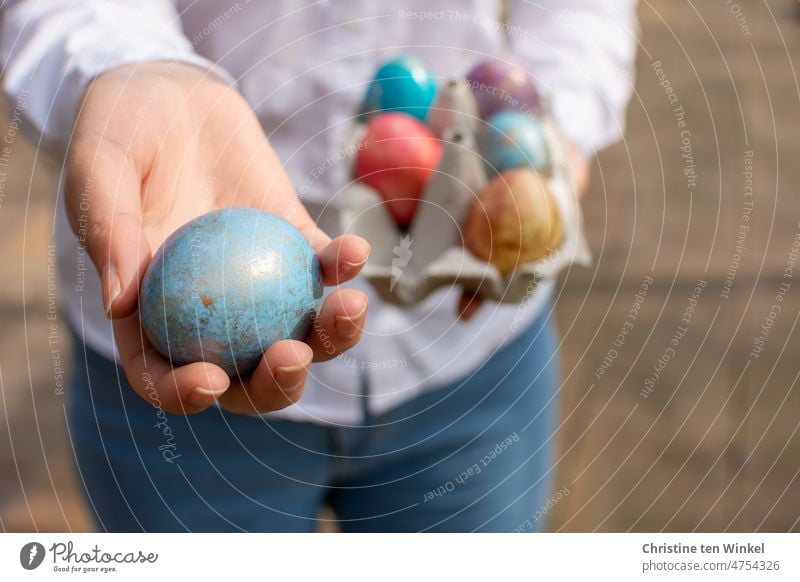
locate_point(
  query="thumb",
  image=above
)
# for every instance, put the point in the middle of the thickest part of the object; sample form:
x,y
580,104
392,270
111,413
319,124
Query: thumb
x,y
103,198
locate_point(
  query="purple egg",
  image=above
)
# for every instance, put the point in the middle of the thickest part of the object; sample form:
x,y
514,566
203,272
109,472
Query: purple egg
x,y
500,86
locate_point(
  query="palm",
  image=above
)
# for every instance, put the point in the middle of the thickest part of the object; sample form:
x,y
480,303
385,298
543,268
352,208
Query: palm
x,y
210,151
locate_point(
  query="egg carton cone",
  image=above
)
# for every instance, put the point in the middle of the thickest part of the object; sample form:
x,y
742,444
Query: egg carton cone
x,y
406,267
454,109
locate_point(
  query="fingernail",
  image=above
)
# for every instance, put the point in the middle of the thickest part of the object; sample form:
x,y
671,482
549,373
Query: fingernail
x,y
290,377
201,397
111,288
350,265
349,327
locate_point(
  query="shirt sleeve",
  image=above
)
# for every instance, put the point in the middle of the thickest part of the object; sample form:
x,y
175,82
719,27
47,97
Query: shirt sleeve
x,y
581,52
51,49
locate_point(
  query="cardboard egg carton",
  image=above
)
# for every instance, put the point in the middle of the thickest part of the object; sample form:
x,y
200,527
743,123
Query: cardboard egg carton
x,y
405,267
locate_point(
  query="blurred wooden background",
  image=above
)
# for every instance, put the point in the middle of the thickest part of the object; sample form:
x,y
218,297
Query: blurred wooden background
x,y
714,446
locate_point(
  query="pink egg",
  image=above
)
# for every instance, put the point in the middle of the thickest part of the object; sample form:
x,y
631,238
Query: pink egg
x,y
397,157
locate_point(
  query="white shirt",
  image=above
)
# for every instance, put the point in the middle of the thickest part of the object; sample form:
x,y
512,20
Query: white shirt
x,y
303,66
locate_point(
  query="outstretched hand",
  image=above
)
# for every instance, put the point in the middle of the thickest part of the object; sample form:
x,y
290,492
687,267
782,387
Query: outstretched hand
x,y
156,145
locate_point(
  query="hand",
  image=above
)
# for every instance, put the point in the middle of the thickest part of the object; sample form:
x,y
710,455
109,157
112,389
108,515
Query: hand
x,y
469,303
156,145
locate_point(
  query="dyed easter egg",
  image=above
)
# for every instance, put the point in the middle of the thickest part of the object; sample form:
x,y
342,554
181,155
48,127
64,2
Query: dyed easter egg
x,y
499,86
397,157
226,286
402,84
513,221
513,140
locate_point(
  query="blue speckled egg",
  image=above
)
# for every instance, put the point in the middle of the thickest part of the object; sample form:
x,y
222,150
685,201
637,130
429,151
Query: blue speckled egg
x,y
402,84
226,286
513,140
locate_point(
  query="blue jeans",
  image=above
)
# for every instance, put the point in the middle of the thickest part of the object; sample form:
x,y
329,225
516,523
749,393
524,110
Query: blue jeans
x,y
473,456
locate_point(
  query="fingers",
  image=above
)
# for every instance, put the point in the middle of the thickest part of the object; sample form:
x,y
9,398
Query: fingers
x,y
104,207
277,382
468,305
339,324
343,258
183,390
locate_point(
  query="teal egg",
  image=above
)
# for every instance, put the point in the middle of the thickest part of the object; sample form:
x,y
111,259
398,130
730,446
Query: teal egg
x,y
402,84
227,285
513,140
